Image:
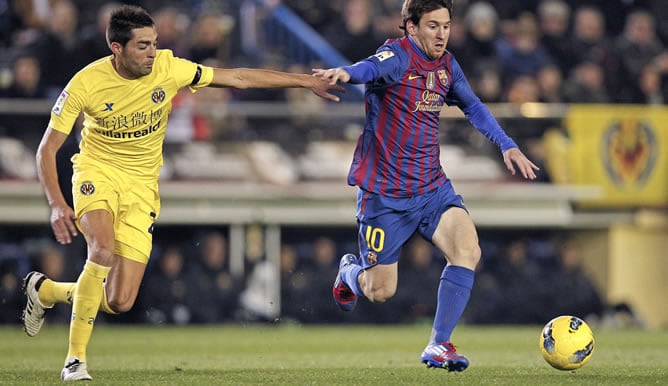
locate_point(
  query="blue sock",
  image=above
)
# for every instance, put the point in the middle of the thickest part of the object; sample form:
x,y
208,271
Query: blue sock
x,y
349,276
453,295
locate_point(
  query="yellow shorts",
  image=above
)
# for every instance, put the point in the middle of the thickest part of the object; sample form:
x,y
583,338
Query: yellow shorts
x,y
133,203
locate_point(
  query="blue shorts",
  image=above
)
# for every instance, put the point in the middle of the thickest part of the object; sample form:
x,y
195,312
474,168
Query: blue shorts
x,y
386,223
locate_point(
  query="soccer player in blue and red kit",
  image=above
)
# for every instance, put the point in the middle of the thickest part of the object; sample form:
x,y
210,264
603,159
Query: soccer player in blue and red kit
x,y
396,165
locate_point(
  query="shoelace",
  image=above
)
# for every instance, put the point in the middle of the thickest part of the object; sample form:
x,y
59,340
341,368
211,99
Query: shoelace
x,y
73,366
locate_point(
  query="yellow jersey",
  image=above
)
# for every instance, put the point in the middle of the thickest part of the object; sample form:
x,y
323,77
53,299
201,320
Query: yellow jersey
x,y
125,119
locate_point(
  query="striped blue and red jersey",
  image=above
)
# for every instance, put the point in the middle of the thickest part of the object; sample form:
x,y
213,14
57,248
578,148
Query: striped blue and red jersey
x,y
398,152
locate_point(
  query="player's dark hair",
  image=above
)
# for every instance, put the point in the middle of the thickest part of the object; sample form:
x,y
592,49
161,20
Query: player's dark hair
x,y
123,20
414,9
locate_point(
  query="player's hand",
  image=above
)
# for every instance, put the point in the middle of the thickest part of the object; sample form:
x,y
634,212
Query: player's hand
x,y
514,156
333,75
322,88
62,223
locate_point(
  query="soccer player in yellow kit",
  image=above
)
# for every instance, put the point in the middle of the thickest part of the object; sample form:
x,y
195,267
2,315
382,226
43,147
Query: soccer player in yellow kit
x,y
125,99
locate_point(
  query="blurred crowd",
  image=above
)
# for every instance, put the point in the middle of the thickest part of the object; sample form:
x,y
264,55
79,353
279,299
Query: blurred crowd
x,y
583,51
514,51
517,51
521,280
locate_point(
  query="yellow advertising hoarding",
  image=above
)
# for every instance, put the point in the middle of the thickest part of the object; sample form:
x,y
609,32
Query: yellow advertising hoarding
x,y
623,149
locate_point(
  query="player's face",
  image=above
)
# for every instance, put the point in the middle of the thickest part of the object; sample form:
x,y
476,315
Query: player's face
x,y
432,32
135,59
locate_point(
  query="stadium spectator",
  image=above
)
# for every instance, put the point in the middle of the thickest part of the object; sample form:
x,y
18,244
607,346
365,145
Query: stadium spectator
x,y
93,41
651,87
26,79
168,298
316,13
50,260
387,18
416,292
526,292
586,84
209,38
293,282
30,17
316,267
353,34
554,18
203,116
402,188
487,84
523,89
521,53
591,44
637,47
26,84
574,292
172,27
59,40
216,291
258,300
550,84
10,291
479,47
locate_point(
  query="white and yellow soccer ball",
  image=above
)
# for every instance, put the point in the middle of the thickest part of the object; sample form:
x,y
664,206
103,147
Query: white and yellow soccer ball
x,y
566,342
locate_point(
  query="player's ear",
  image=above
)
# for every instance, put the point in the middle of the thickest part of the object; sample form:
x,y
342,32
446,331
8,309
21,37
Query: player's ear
x,y
116,48
410,27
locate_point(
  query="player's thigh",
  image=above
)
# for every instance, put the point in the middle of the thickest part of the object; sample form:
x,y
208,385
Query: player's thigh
x,y
139,208
98,228
457,238
133,228
383,229
95,197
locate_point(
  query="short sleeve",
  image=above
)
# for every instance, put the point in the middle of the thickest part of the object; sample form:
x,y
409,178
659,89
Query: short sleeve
x,y
191,74
68,106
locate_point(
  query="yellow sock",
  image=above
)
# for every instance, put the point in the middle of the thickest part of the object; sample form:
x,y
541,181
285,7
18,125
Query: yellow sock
x,y
104,304
52,292
87,297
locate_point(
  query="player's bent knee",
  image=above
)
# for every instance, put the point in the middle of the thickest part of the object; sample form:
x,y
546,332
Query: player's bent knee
x,y
380,295
101,255
467,257
121,305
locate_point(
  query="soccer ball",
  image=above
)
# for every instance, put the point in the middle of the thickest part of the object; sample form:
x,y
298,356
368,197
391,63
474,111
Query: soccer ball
x,y
566,343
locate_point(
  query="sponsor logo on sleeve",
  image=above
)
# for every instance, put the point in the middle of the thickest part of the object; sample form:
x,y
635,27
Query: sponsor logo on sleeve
x,y
384,55
60,103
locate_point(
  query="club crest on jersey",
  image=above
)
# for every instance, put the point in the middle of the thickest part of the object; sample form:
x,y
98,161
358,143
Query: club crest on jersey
x,y
431,80
158,95
372,258
87,188
443,77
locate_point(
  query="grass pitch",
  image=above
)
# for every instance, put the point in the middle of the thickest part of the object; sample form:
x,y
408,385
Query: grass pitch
x,y
323,355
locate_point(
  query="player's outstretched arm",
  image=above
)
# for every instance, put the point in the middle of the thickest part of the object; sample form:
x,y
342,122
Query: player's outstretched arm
x,y
514,156
332,75
62,216
255,78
